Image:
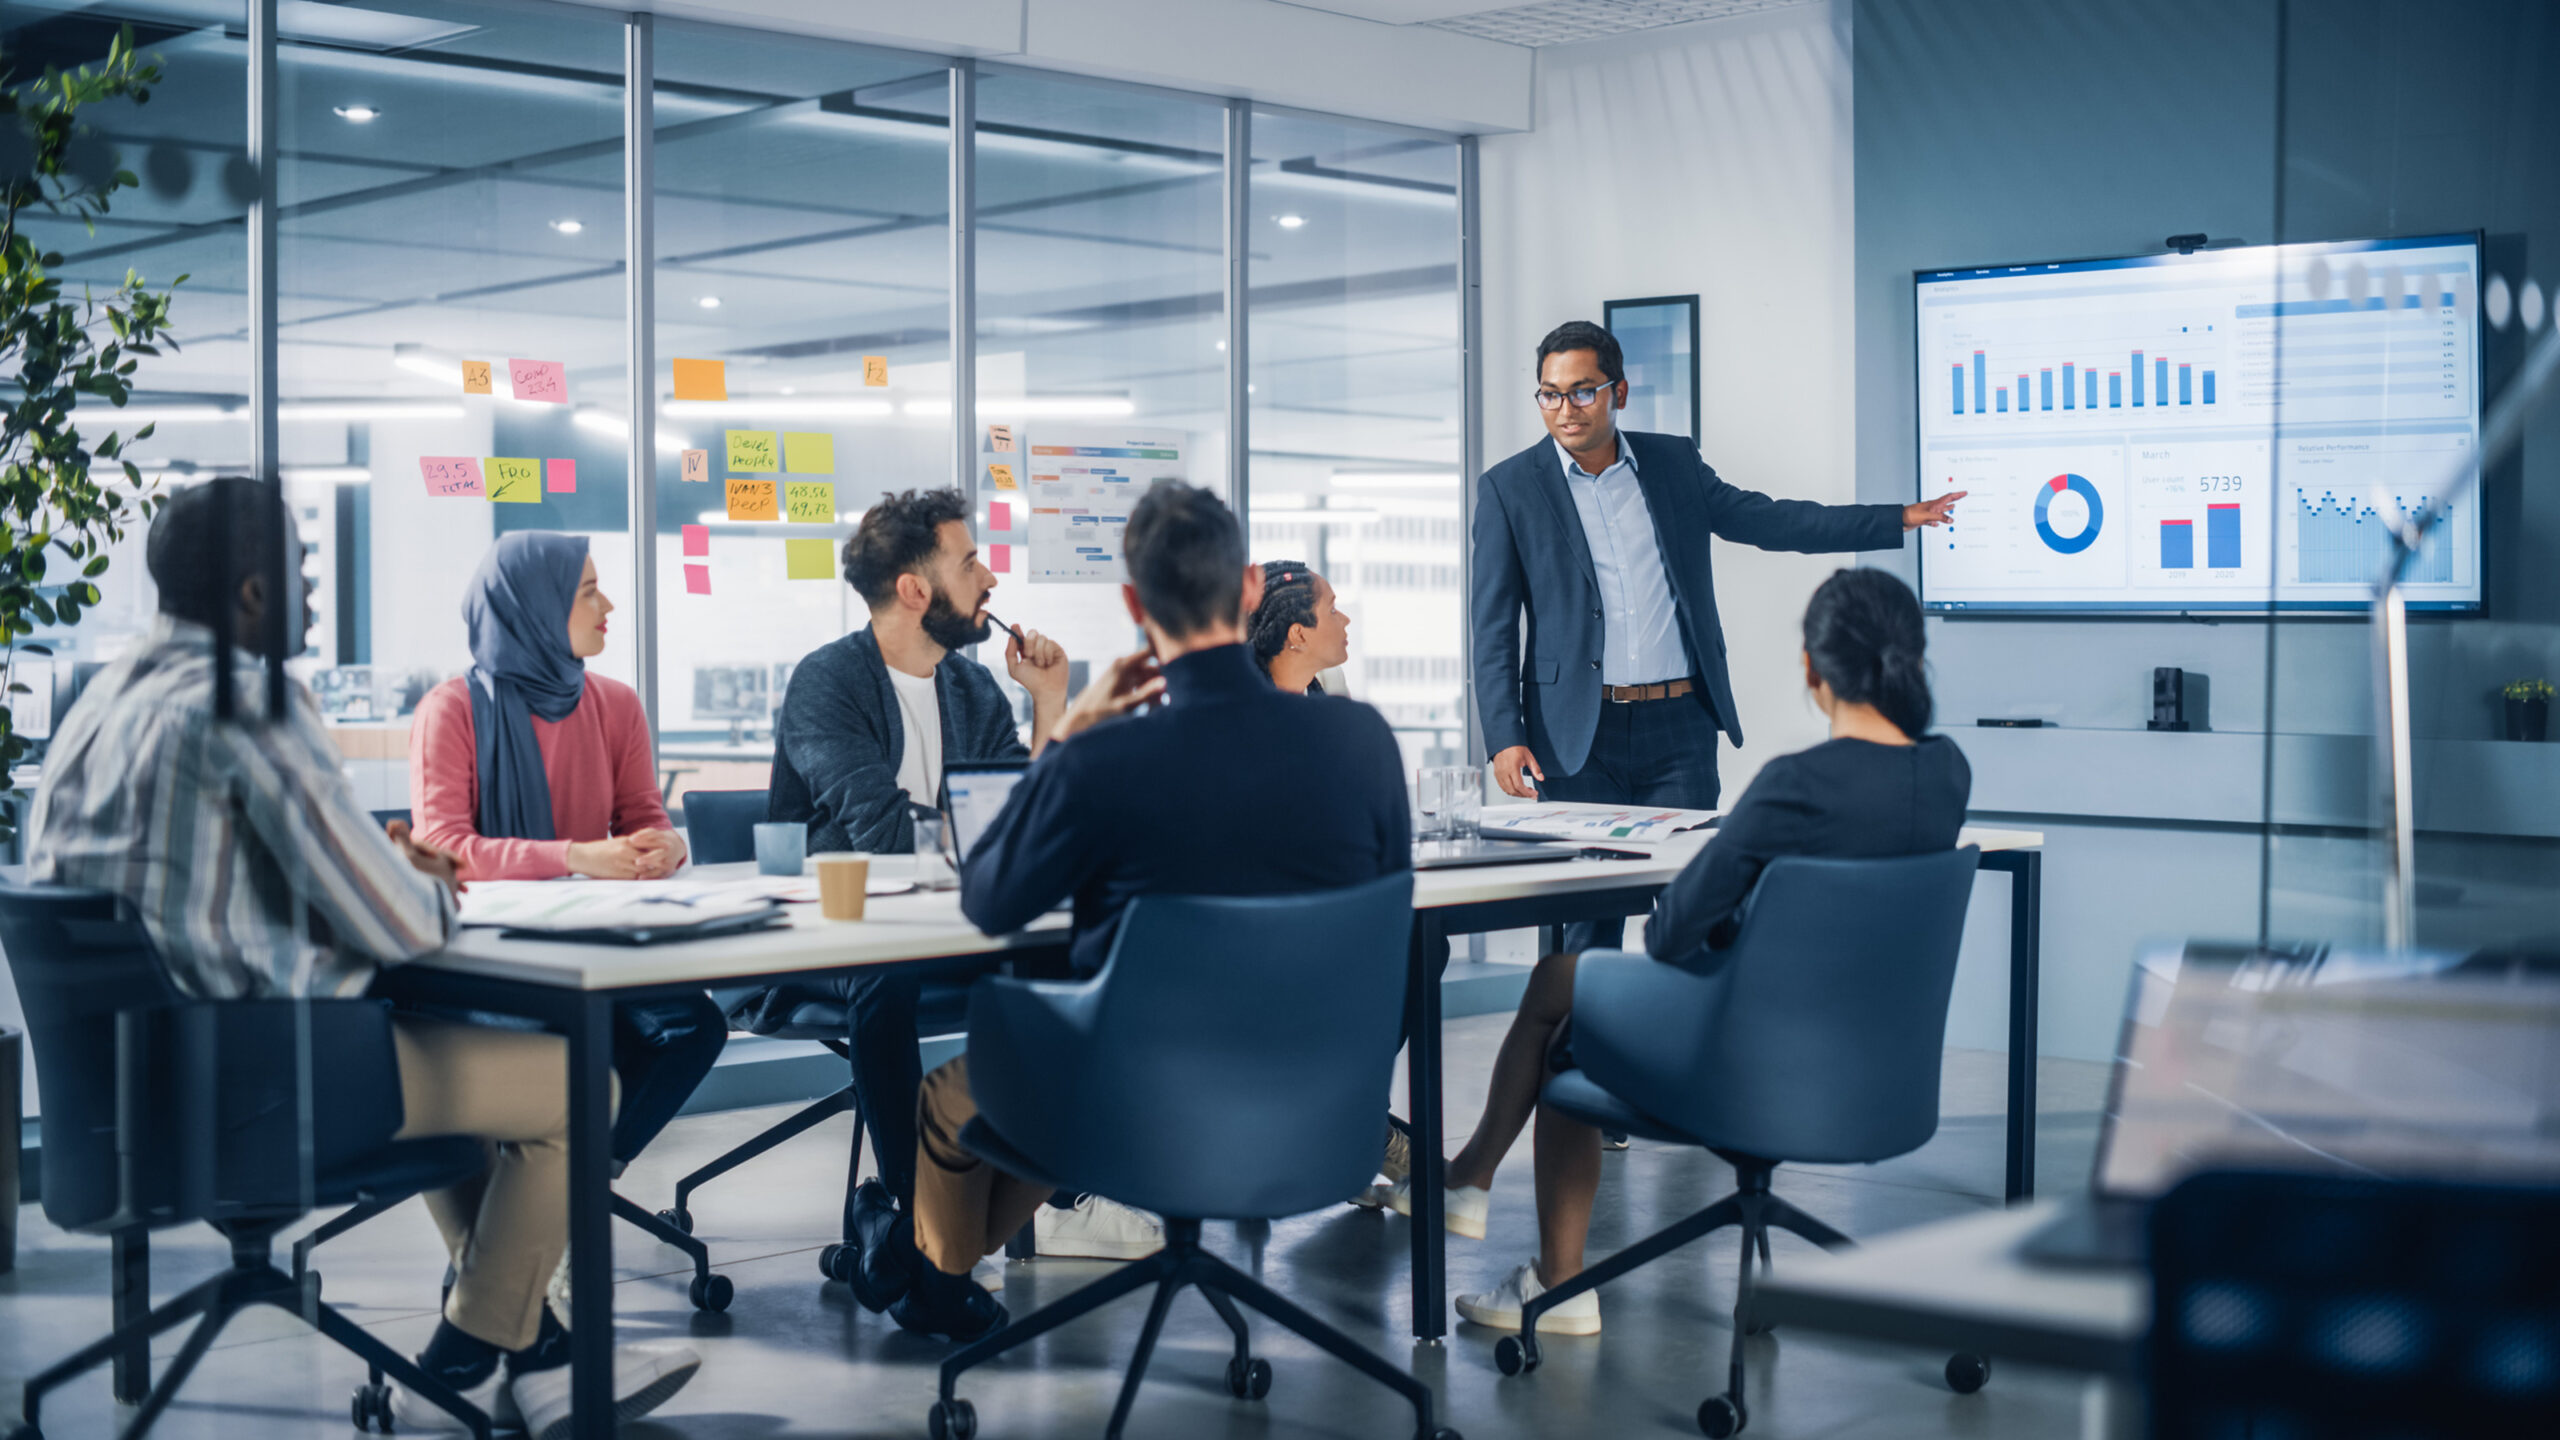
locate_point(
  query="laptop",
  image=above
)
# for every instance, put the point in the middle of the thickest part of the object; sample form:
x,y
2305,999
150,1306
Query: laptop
x,y
2319,1059
973,795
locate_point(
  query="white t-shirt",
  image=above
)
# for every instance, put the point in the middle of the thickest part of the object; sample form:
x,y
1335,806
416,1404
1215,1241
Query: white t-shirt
x,y
920,761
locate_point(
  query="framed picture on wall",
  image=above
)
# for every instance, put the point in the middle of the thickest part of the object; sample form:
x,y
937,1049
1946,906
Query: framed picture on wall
x,y
1660,338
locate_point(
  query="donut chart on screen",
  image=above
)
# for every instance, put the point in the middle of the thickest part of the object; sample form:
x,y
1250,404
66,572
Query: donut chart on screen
x,y
2074,544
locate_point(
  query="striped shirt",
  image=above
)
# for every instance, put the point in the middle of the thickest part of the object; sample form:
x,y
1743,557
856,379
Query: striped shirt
x,y
215,831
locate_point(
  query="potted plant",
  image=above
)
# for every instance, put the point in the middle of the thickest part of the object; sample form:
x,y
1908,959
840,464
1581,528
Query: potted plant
x,y
2528,709
59,353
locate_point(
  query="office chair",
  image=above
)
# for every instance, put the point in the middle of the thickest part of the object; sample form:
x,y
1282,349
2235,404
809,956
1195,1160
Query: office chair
x,y
1227,1063
160,1110
1816,1037
2310,1305
720,825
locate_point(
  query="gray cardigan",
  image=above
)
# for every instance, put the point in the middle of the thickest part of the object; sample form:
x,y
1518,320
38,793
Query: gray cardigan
x,y
840,735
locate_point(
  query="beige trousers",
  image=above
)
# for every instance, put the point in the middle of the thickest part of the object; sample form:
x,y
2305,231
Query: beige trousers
x,y
507,1227
966,1209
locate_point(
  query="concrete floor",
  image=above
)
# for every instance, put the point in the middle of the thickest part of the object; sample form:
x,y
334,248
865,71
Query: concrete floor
x,y
795,1356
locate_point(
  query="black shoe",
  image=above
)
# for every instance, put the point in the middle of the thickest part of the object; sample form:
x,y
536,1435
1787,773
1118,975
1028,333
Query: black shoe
x,y
888,1265
952,1307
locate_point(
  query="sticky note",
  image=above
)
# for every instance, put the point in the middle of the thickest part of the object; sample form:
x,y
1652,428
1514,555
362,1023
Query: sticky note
x,y
809,502
1000,439
875,369
560,477
515,482
754,450
753,500
1002,475
697,540
697,579
452,475
809,452
1000,559
702,380
697,466
544,380
809,559
999,515
475,377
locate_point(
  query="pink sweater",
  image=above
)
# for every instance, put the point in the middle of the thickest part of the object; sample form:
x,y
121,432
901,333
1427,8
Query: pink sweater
x,y
604,781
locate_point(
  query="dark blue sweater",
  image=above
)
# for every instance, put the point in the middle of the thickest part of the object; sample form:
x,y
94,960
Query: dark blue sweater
x,y
838,740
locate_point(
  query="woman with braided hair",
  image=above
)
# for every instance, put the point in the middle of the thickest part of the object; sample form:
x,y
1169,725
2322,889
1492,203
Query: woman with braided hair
x,y
1297,632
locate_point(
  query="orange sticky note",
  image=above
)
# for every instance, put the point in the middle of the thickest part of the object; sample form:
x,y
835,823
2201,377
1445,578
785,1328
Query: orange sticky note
x,y
475,377
1002,475
1000,559
697,540
452,475
702,380
543,380
875,369
560,477
754,500
697,465
697,579
999,515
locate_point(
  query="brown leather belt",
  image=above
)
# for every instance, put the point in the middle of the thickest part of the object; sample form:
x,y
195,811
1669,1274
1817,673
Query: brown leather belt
x,y
1668,690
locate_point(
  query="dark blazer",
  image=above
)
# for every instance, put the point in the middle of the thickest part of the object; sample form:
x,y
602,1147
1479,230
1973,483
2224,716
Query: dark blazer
x,y
1231,788
839,737
1531,556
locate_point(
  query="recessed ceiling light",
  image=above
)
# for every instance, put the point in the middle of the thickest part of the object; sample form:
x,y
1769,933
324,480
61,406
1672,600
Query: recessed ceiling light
x,y
709,302
1291,222
357,114
568,227
790,389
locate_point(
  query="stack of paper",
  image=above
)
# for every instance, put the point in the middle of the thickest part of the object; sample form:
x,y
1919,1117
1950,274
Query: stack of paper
x,y
550,905
1571,820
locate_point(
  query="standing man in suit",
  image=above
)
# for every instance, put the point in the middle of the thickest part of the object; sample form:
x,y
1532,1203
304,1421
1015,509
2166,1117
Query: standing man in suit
x,y
1597,539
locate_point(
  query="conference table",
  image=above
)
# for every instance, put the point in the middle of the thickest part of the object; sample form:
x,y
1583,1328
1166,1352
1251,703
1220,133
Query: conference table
x,y
572,987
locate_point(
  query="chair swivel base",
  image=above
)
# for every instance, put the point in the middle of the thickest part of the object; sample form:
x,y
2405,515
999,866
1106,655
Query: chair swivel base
x,y
1179,1265
252,1280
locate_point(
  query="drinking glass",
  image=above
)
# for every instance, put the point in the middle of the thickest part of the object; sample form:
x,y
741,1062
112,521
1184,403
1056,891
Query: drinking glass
x,y
1462,801
933,867
1430,805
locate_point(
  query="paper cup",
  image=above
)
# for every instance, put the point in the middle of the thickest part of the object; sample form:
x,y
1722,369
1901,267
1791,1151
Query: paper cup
x,y
844,878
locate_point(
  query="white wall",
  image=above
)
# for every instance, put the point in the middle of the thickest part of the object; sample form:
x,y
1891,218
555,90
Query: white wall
x,y
1714,159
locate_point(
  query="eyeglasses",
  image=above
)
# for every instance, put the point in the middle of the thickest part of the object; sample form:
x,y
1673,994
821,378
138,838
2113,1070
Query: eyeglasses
x,y
1583,397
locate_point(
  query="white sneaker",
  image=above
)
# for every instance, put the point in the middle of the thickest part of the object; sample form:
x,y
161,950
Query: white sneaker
x,y
414,1414
644,1378
989,1273
1500,1310
1097,1229
1463,1209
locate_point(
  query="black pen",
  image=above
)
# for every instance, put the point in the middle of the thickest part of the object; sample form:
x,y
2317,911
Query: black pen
x,y
1009,630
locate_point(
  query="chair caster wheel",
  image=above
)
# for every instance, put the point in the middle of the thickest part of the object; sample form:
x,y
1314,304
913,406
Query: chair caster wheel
x,y
1722,1415
1968,1373
23,1431
952,1420
839,1262
1445,1433
1248,1377
1516,1354
1612,1140
371,1408
678,1218
712,1293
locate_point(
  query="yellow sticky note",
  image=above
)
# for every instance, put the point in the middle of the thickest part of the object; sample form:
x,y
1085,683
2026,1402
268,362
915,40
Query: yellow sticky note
x,y
809,452
1002,475
809,502
754,450
875,369
475,377
702,380
515,482
697,466
809,559
753,500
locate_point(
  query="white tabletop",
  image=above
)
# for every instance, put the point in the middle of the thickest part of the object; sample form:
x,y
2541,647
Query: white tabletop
x,y
930,926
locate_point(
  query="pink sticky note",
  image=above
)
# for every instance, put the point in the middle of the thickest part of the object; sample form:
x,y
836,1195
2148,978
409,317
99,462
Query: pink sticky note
x,y
697,579
452,475
544,380
697,540
560,477
1000,559
999,515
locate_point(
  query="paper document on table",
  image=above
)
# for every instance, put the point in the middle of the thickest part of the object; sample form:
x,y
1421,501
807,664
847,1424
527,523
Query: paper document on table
x,y
611,905
1584,821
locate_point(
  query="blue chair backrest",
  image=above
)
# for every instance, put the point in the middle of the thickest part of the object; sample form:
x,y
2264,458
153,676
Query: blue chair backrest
x,y
720,825
1231,1059
1819,1033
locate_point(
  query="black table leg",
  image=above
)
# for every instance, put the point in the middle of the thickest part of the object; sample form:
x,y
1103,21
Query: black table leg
x,y
1422,1083
591,1215
2026,962
129,1291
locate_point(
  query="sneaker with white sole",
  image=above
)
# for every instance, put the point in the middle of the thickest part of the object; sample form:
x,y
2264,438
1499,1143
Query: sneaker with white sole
x,y
989,1273
1393,1167
1500,1308
1097,1229
644,1378
1464,1208
414,1414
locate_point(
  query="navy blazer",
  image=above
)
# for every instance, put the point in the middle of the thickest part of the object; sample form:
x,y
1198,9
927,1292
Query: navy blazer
x,y
1532,558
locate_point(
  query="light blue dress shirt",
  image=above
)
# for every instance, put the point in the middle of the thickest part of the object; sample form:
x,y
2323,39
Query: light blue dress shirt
x,y
1640,638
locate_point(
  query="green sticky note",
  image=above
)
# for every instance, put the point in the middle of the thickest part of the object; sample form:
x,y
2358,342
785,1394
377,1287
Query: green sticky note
x,y
515,482
754,451
810,559
810,452
809,502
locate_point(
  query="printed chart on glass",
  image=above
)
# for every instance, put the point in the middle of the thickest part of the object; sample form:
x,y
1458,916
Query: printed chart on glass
x,y
1081,485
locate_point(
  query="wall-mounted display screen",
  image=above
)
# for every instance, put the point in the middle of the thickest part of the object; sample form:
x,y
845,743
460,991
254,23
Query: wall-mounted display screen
x,y
2229,430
